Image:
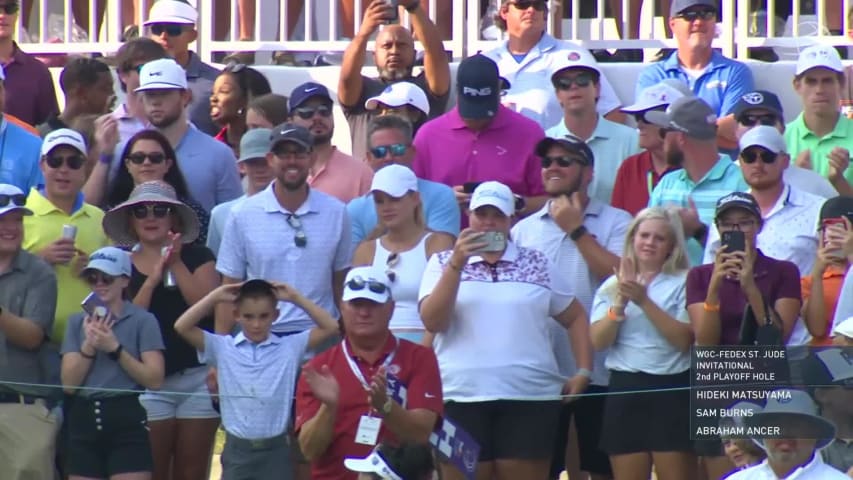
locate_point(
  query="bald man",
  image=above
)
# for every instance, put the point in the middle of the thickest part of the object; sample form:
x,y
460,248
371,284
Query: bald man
x,y
394,58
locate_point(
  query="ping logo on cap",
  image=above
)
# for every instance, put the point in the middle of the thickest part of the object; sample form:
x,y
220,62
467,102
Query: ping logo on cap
x,y
477,92
754,98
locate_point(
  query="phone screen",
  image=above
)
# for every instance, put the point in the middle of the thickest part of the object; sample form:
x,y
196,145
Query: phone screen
x,y
734,241
469,187
495,241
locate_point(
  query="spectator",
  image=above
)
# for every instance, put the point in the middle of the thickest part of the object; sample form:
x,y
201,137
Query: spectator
x,y
716,79
640,173
88,88
401,244
389,142
172,24
757,290
256,445
582,235
335,419
130,116
333,172
155,220
267,111
404,99
819,136
286,223
528,51
764,108
639,316
844,309
117,347
481,140
704,176
472,298
33,96
409,461
788,214
147,157
577,84
742,452
394,58
233,90
19,148
27,312
834,397
254,146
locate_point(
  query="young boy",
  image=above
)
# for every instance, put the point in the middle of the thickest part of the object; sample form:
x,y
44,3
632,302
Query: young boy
x,y
257,373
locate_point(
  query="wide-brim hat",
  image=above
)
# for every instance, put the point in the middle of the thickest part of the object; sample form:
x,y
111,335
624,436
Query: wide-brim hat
x,y
117,221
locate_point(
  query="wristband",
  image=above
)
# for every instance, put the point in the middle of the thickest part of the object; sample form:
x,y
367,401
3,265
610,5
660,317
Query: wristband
x,y
117,353
411,8
578,233
613,316
86,355
700,233
105,158
711,308
584,372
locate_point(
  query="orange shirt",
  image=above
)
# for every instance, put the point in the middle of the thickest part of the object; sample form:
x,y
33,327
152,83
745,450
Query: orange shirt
x,y
833,279
26,126
342,177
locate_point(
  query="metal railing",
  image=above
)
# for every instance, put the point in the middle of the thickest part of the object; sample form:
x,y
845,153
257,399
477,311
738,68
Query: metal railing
x,y
51,25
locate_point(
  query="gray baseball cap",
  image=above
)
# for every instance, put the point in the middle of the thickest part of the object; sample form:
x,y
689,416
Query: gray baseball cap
x,y
254,144
689,115
678,6
289,132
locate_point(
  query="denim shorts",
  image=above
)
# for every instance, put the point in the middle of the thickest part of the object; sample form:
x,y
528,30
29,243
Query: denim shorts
x,y
184,395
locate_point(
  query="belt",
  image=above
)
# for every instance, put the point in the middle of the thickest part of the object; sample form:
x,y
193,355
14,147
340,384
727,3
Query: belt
x,y
258,443
18,398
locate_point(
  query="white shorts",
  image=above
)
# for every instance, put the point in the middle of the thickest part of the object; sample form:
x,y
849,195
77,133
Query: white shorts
x,y
183,395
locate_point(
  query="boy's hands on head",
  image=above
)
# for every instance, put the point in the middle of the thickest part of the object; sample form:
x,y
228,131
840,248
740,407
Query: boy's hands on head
x,y
286,293
226,293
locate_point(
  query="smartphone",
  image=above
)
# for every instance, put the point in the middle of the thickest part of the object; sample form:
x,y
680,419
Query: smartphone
x,y
825,224
93,305
734,241
495,242
469,187
394,16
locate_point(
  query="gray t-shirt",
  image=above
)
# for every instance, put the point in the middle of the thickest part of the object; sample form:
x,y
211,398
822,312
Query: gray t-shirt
x,y
136,330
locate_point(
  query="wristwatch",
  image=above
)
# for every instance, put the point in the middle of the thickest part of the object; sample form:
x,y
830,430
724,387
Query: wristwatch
x,y
700,233
387,406
578,233
114,355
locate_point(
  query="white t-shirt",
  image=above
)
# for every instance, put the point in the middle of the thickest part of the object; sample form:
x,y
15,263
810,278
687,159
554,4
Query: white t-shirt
x,y
814,470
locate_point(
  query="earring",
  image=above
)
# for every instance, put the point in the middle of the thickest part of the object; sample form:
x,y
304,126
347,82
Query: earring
x,y
240,111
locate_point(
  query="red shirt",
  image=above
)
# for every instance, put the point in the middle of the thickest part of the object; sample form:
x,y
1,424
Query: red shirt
x,y
416,368
635,181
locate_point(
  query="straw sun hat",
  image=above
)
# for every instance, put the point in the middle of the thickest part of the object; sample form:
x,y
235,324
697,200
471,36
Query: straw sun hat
x,y
117,220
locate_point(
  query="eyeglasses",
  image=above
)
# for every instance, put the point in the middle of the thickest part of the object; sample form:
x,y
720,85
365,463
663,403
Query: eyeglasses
x,y
358,283
396,150
299,238
171,29
538,5
306,113
693,15
565,83
74,162
144,211
741,225
9,8
390,263
564,161
751,156
18,199
94,278
138,158
768,119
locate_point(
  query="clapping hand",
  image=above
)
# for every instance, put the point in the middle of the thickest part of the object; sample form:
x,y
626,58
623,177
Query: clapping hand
x,y
377,393
99,333
323,385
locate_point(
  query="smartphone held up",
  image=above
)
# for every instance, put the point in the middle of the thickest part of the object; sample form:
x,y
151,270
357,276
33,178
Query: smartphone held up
x,y
94,306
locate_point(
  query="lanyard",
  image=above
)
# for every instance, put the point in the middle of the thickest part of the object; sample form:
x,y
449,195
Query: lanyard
x,y
357,371
650,178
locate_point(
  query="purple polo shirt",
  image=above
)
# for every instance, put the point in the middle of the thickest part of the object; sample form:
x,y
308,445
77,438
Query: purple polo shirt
x,y
450,153
30,94
775,279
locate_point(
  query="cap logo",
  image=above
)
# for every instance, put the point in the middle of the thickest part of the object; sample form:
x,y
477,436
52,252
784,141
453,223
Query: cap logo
x,y
732,197
104,256
711,119
155,74
574,56
308,90
754,98
285,132
477,92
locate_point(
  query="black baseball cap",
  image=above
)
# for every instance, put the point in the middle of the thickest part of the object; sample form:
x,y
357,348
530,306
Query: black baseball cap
x,y
758,99
741,200
837,207
569,143
478,87
288,132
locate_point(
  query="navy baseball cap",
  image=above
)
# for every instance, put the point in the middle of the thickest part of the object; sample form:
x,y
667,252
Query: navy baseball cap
x,y
741,200
307,91
758,99
478,87
569,143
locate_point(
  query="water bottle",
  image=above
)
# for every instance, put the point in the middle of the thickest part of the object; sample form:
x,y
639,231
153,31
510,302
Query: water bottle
x,y
168,278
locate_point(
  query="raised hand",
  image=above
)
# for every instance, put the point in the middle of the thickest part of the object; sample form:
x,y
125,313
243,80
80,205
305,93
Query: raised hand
x,y
377,394
567,211
466,246
286,293
323,385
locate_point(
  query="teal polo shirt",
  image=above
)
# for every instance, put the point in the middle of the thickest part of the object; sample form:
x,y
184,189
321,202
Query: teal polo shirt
x,y
798,137
676,189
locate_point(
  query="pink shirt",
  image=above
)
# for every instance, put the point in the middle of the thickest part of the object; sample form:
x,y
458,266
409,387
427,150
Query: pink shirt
x,y
342,177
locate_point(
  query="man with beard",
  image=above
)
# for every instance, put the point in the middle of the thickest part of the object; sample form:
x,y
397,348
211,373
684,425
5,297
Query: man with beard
x,y
584,238
394,58
333,172
704,175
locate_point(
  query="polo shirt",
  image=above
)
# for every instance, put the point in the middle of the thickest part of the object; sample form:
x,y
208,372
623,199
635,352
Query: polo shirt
x,y
635,180
17,121
677,189
815,469
128,125
136,330
413,365
832,280
45,227
20,152
259,243
256,381
839,454
789,231
342,177
540,232
200,78
218,218
499,323
531,92
844,309
30,93
610,143
721,85
798,137
639,346
27,290
439,203
774,278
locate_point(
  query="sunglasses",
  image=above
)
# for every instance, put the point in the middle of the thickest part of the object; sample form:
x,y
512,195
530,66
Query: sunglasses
x,y
767,119
305,113
171,29
141,212
94,278
565,83
390,263
359,283
751,156
693,15
396,150
235,67
299,237
564,161
18,199
9,8
538,5
74,162
138,158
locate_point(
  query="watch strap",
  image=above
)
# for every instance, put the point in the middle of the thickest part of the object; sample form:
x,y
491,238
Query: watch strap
x,y
577,233
115,355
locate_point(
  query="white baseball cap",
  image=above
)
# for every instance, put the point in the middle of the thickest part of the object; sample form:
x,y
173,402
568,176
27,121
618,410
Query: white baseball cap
x,y
395,180
110,260
368,282
172,11
63,136
819,56
373,463
399,94
162,74
15,198
574,58
495,194
763,136
659,95
844,328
